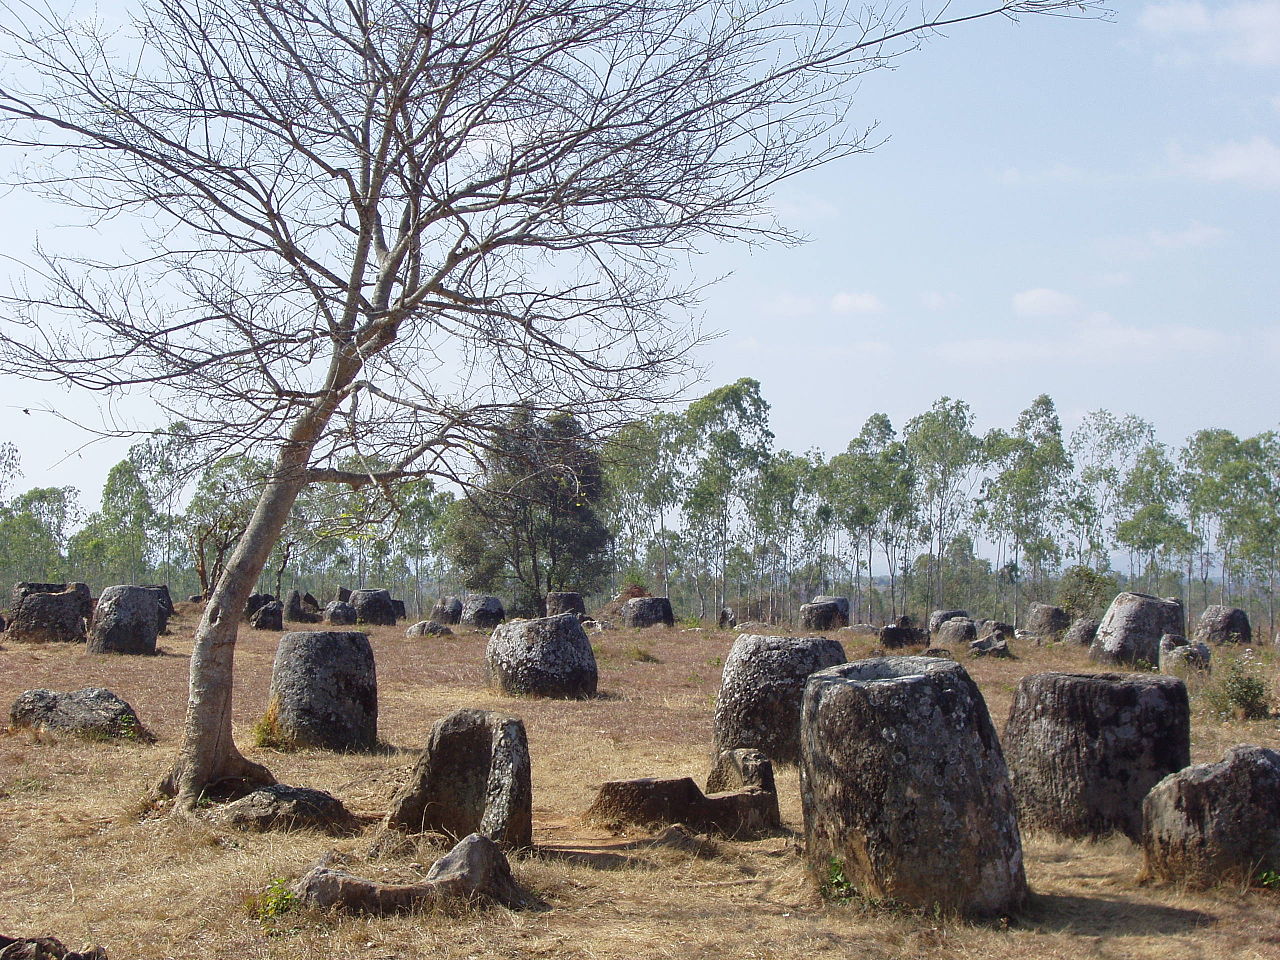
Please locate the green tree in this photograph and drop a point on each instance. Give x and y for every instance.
(1151, 529)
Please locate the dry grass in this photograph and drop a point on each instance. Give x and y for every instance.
(81, 859)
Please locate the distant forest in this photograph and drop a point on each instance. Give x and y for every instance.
(701, 506)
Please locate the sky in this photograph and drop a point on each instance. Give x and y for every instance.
(1080, 208)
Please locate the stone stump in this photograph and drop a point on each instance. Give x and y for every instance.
(653, 802)
(1046, 621)
(1130, 630)
(956, 632)
(642, 612)
(905, 790)
(1178, 657)
(939, 617)
(548, 657)
(901, 633)
(324, 691)
(447, 610)
(761, 687)
(482, 612)
(565, 601)
(296, 610)
(1084, 749)
(340, 614)
(473, 777)
(49, 617)
(1215, 822)
(1219, 624)
(269, 616)
(126, 620)
(1082, 631)
(822, 616)
(374, 607)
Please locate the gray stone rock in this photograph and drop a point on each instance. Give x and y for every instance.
(280, 807)
(939, 617)
(473, 777)
(760, 691)
(901, 633)
(428, 628)
(1131, 629)
(344, 595)
(1082, 631)
(484, 613)
(862, 630)
(340, 614)
(1219, 624)
(49, 617)
(45, 948)
(640, 612)
(653, 802)
(992, 645)
(565, 601)
(753, 626)
(399, 608)
(841, 602)
(25, 588)
(269, 616)
(447, 610)
(324, 691)
(740, 769)
(310, 602)
(822, 616)
(125, 620)
(1084, 749)
(164, 601)
(93, 712)
(296, 611)
(1046, 621)
(904, 787)
(1178, 657)
(374, 607)
(255, 603)
(956, 632)
(547, 657)
(726, 619)
(1215, 822)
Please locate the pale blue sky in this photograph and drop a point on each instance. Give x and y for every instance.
(1079, 208)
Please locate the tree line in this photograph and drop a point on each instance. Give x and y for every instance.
(700, 505)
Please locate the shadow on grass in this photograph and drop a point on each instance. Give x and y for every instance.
(1102, 916)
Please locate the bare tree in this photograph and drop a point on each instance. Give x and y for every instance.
(368, 228)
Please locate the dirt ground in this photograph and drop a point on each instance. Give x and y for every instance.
(84, 858)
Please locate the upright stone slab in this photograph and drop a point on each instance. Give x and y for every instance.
(1215, 822)
(484, 613)
(473, 777)
(324, 691)
(374, 607)
(1084, 749)
(640, 612)
(760, 691)
(49, 617)
(126, 620)
(1046, 621)
(1131, 629)
(256, 602)
(547, 657)
(822, 616)
(904, 787)
(448, 610)
(565, 601)
(1219, 624)
(296, 611)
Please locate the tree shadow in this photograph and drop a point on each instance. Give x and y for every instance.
(1104, 916)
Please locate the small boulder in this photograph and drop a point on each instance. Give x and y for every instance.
(125, 620)
(49, 617)
(547, 657)
(340, 614)
(652, 802)
(1046, 621)
(640, 612)
(822, 616)
(841, 602)
(992, 645)
(726, 619)
(565, 601)
(45, 948)
(374, 607)
(280, 807)
(447, 610)
(740, 769)
(901, 633)
(428, 628)
(956, 632)
(255, 603)
(939, 617)
(269, 616)
(1219, 624)
(310, 602)
(1179, 657)
(93, 712)
(485, 613)
(1082, 631)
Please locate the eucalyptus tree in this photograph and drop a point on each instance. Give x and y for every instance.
(641, 462)
(373, 227)
(1103, 448)
(1151, 497)
(35, 533)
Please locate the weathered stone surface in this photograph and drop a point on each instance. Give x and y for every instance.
(956, 632)
(255, 603)
(650, 802)
(1183, 659)
(340, 614)
(992, 645)
(1131, 629)
(941, 652)
(269, 616)
(164, 600)
(398, 606)
(752, 626)
(1084, 749)
(1215, 822)
(310, 602)
(344, 595)
(482, 612)
(739, 769)
(473, 777)
(1046, 621)
(93, 712)
(280, 807)
(25, 588)
(374, 607)
(901, 633)
(1219, 624)
(822, 616)
(125, 620)
(904, 787)
(547, 657)
(760, 691)
(428, 628)
(475, 869)
(648, 612)
(861, 630)
(49, 617)
(1082, 631)
(296, 611)
(565, 601)
(841, 602)
(938, 617)
(726, 619)
(324, 691)
(448, 610)
(45, 948)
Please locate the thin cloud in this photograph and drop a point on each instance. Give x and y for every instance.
(1245, 32)
(1144, 246)
(1252, 163)
(844, 302)
(1043, 302)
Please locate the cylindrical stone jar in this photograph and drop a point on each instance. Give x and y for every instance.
(905, 789)
(324, 691)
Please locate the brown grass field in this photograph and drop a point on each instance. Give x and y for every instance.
(83, 857)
